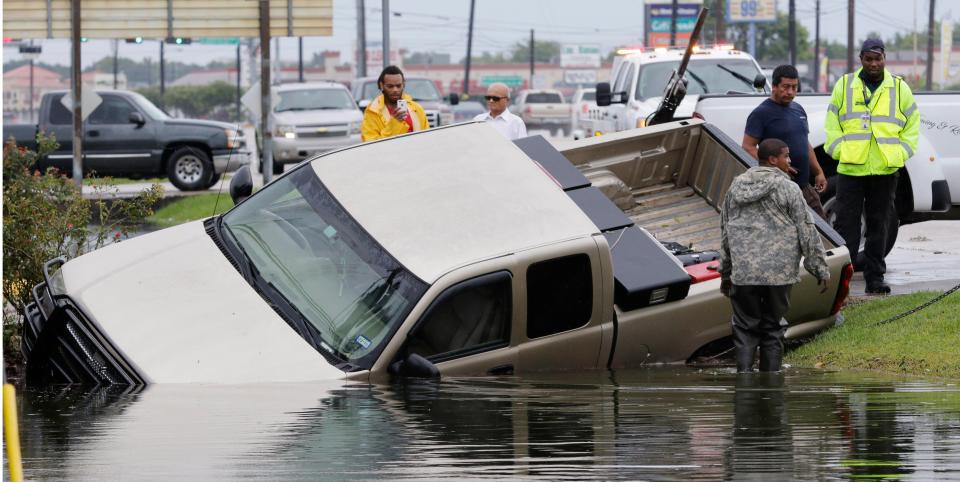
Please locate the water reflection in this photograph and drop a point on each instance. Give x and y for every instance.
(673, 423)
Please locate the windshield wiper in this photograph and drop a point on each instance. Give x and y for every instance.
(703, 85)
(736, 74)
(290, 109)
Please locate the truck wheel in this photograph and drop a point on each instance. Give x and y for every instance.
(893, 228)
(189, 169)
(214, 179)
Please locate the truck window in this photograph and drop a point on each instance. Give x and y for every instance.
(704, 76)
(113, 110)
(59, 115)
(471, 317)
(559, 295)
(544, 98)
(626, 69)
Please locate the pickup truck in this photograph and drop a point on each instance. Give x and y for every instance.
(638, 78)
(543, 109)
(929, 183)
(128, 136)
(447, 252)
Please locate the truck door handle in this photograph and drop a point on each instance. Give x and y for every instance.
(501, 370)
(93, 133)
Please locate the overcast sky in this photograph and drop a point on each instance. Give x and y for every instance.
(441, 26)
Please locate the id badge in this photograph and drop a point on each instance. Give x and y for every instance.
(865, 121)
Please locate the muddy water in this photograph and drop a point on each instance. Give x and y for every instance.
(660, 423)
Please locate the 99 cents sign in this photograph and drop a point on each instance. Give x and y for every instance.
(739, 11)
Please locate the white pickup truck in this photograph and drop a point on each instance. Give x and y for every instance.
(638, 80)
(931, 183)
(451, 251)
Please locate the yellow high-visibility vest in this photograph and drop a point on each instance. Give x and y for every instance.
(855, 119)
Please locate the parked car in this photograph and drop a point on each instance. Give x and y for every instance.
(583, 100)
(310, 119)
(422, 90)
(446, 252)
(543, 109)
(465, 111)
(128, 136)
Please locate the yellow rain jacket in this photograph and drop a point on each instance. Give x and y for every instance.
(379, 124)
(871, 134)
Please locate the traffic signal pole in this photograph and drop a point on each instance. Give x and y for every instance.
(75, 90)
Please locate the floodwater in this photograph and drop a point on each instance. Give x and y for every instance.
(657, 423)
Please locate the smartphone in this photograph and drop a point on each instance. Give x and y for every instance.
(402, 104)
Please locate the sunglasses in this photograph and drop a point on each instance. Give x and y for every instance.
(493, 98)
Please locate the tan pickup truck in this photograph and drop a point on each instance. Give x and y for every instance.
(448, 252)
(543, 109)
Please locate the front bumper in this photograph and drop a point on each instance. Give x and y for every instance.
(62, 345)
(230, 161)
(287, 151)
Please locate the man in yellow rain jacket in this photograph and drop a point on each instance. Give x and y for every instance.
(873, 127)
(386, 116)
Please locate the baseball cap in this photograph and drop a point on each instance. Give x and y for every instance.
(874, 45)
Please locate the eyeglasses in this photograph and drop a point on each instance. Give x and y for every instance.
(493, 98)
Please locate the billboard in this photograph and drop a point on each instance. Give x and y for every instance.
(757, 11)
(659, 16)
(582, 56)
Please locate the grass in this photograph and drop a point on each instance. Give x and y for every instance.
(116, 181)
(923, 343)
(190, 208)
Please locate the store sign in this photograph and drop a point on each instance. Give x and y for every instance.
(580, 76)
(508, 80)
(580, 56)
(659, 18)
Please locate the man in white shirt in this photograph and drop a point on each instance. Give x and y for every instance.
(500, 117)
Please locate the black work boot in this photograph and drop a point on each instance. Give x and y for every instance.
(877, 288)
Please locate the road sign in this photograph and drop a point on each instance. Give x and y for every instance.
(251, 100)
(219, 41)
(509, 80)
(89, 101)
(756, 11)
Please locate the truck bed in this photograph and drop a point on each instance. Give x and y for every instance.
(678, 214)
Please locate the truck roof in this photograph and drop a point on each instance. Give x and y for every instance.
(646, 56)
(452, 196)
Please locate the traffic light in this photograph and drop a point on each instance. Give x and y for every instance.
(135, 40)
(179, 40)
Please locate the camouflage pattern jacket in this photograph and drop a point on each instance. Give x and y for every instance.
(765, 228)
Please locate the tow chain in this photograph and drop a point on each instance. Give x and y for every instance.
(919, 307)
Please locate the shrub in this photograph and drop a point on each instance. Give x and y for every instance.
(46, 216)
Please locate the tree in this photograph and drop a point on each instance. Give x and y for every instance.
(214, 100)
(545, 51)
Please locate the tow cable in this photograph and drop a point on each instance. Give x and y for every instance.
(919, 307)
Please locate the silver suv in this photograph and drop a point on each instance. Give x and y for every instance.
(423, 91)
(311, 118)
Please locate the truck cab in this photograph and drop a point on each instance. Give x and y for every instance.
(639, 76)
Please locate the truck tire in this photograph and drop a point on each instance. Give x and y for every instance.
(214, 179)
(190, 169)
(893, 224)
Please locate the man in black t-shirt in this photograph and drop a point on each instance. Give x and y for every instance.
(779, 117)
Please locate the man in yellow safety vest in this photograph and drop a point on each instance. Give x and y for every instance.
(872, 127)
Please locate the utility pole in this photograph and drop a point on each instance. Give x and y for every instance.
(239, 112)
(75, 87)
(915, 31)
(300, 59)
(266, 155)
(163, 77)
(816, 51)
(466, 74)
(793, 32)
(929, 86)
(673, 24)
(850, 12)
(531, 59)
(32, 116)
(386, 33)
(116, 53)
(361, 39)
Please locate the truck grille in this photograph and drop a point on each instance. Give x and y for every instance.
(322, 130)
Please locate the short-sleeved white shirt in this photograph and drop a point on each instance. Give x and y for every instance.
(507, 124)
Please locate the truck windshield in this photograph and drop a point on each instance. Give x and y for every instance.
(706, 76)
(152, 111)
(332, 282)
(419, 89)
(314, 99)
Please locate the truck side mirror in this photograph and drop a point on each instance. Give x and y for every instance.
(454, 98)
(241, 185)
(603, 94)
(414, 366)
(137, 118)
(760, 82)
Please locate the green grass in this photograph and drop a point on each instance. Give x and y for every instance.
(923, 343)
(116, 181)
(190, 208)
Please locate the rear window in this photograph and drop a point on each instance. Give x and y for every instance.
(544, 98)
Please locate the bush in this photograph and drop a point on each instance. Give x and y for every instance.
(45, 216)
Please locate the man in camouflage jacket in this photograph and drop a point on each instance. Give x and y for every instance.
(765, 227)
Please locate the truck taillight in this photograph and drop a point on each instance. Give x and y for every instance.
(843, 289)
(528, 110)
(697, 115)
